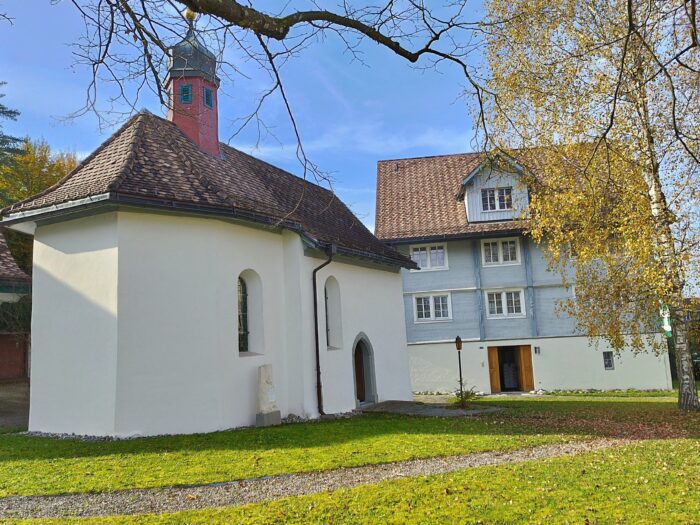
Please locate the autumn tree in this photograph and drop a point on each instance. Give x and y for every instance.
(34, 167)
(599, 101)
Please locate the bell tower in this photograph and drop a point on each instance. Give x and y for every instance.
(192, 85)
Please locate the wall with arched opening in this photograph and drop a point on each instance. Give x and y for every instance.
(334, 314)
(252, 318)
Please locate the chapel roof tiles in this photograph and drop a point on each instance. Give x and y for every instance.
(150, 160)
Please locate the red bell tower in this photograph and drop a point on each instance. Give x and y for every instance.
(192, 85)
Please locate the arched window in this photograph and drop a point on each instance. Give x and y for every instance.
(250, 313)
(334, 322)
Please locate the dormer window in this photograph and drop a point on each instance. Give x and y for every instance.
(497, 199)
(208, 98)
(185, 93)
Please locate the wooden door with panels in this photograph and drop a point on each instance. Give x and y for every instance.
(525, 375)
(494, 370)
(526, 380)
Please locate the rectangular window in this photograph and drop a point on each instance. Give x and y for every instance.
(423, 308)
(513, 303)
(430, 257)
(608, 361)
(442, 311)
(433, 307)
(505, 251)
(497, 199)
(505, 303)
(495, 304)
(208, 98)
(491, 253)
(505, 198)
(185, 93)
(509, 250)
(488, 199)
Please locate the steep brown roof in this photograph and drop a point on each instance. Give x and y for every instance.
(150, 161)
(10, 273)
(417, 198)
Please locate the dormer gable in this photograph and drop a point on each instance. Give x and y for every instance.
(494, 191)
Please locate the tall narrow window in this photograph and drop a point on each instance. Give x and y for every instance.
(334, 321)
(488, 199)
(208, 98)
(608, 361)
(242, 316)
(185, 94)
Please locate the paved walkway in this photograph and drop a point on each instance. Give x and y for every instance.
(14, 405)
(412, 408)
(171, 499)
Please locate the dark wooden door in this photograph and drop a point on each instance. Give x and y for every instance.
(13, 356)
(494, 370)
(359, 373)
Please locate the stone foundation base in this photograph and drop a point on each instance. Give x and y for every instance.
(268, 419)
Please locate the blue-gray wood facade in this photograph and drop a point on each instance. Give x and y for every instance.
(467, 278)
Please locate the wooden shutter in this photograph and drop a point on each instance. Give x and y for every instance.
(494, 371)
(527, 380)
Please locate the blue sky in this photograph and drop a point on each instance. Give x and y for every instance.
(350, 114)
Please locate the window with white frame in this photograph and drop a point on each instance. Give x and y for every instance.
(497, 199)
(430, 257)
(500, 251)
(608, 361)
(505, 303)
(433, 307)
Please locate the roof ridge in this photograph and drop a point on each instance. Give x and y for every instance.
(80, 165)
(420, 157)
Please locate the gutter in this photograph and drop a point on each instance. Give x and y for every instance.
(139, 201)
(331, 250)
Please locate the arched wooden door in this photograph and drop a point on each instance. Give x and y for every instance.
(360, 372)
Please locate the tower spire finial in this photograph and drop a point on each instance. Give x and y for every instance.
(191, 18)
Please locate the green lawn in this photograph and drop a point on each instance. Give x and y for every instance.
(34, 466)
(652, 482)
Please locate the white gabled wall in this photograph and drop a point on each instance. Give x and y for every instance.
(179, 367)
(74, 326)
(135, 328)
(372, 307)
(564, 363)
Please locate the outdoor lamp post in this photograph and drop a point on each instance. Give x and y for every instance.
(458, 345)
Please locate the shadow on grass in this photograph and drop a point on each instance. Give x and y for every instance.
(525, 416)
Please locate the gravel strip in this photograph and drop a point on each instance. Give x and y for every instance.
(171, 499)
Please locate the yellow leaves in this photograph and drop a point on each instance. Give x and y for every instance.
(34, 170)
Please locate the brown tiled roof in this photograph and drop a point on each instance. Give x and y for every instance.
(10, 273)
(150, 161)
(417, 199)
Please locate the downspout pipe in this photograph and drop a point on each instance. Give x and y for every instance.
(331, 250)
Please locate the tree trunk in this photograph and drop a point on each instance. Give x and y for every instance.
(687, 388)
(664, 218)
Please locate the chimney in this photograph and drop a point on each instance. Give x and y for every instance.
(192, 86)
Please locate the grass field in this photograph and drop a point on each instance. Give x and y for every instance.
(656, 479)
(38, 466)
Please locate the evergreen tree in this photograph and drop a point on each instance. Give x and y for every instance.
(9, 145)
